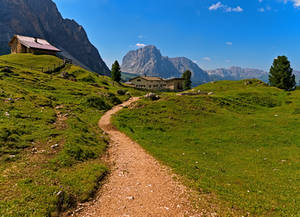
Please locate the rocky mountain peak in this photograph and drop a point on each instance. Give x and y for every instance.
(41, 18)
(148, 60)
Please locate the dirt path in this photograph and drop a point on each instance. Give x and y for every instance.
(138, 185)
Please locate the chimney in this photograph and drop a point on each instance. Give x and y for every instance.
(36, 40)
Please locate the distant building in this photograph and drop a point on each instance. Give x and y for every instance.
(157, 83)
(24, 44)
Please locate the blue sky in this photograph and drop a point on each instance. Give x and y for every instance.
(213, 33)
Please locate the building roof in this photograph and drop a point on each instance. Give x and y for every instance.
(155, 78)
(36, 43)
(148, 78)
(175, 79)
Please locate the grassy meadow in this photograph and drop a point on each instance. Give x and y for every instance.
(50, 143)
(240, 145)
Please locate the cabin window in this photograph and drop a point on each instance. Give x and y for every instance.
(139, 80)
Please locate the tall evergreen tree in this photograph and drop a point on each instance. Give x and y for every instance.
(187, 79)
(116, 72)
(281, 74)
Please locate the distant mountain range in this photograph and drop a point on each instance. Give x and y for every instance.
(149, 61)
(237, 73)
(41, 18)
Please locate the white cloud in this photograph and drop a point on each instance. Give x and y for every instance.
(229, 43)
(226, 8)
(236, 9)
(140, 45)
(295, 2)
(268, 8)
(216, 6)
(206, 58)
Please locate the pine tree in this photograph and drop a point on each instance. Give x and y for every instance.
(116, 72)
(281, 74)
(187, 79)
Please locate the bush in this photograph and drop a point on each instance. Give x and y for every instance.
(88, 79)
(121, 92)
(98, 103)
(80, 153)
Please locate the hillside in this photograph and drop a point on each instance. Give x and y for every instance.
(148, 60)
(42, 19)
(238, 147)
(50, 142)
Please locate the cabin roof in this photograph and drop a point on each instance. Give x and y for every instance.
(36, 43)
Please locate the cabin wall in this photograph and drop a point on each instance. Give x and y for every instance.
(14, 47)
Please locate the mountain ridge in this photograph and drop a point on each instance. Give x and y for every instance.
(237, 73)
(42, 19)
(149, 60)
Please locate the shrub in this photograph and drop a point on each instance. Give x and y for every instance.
(121, 92)
(88, 79)
(98, 103)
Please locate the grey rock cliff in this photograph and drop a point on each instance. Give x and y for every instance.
(148, 60)
(183, 63)
(41, 18)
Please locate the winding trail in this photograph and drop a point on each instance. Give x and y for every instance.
(138, 186)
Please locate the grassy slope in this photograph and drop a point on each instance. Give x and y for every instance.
(241, 144)
(37, 111)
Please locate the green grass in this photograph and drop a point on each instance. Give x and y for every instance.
(28, 60)
(241, 144)
(39, 110)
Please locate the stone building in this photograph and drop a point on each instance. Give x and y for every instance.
(24, 44)
(157, 83)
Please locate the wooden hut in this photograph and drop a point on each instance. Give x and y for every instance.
(24, 44)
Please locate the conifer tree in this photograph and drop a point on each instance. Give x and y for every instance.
(281, 74)
(116, 72)
(187, 79)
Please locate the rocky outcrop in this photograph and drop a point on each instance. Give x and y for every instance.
(41, 18)
(149, 61)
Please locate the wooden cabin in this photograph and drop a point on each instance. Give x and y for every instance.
(25, 44)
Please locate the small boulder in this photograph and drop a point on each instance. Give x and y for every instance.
(54, 146)
(247, 82)
(152, 96)
(34, 150)
(12, 156)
